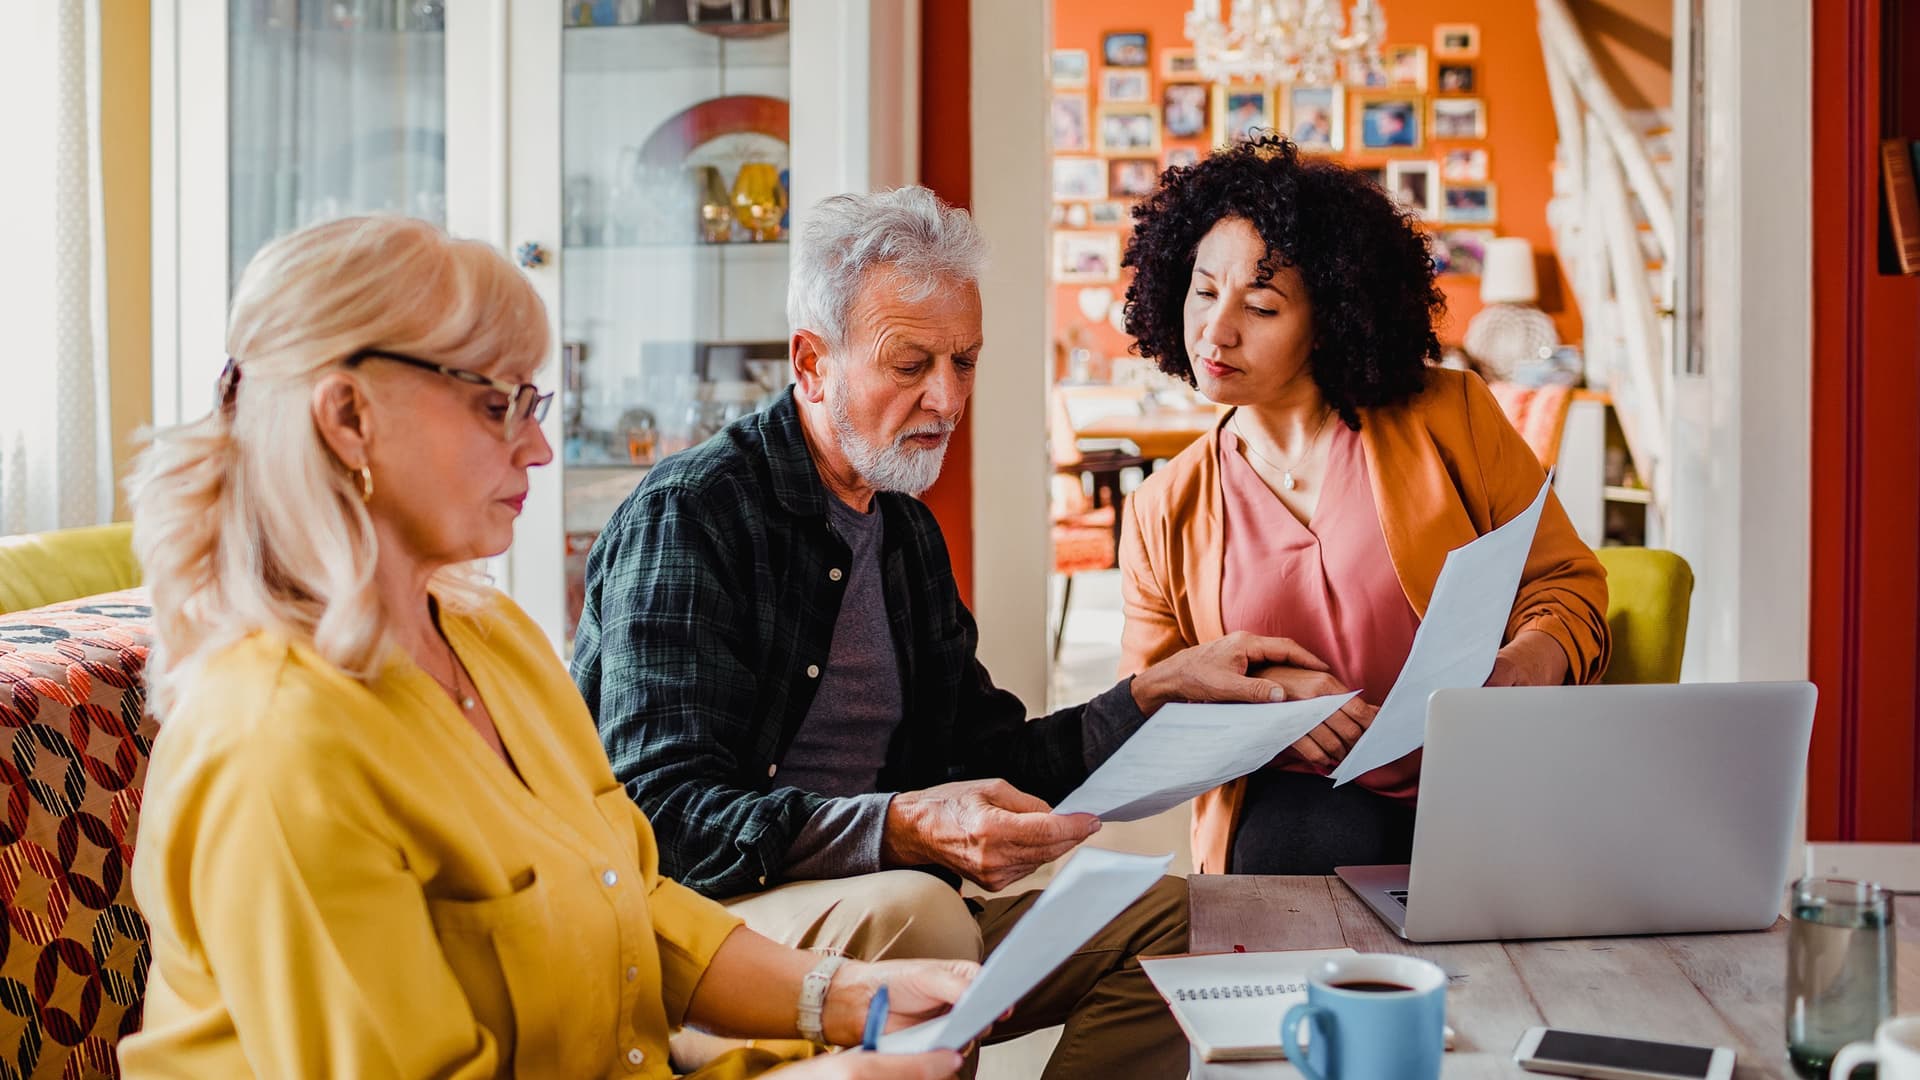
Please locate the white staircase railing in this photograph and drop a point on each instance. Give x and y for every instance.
(1605, 188)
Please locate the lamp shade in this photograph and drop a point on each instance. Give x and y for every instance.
(1506, 273)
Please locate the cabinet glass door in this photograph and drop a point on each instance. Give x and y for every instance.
(674, 226)
(334, 107)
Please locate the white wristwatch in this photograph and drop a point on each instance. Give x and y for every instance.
(813, 997)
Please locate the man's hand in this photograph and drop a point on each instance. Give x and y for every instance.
(1217, 671)
(1327, 745)
(987, 831)
(1532, 658)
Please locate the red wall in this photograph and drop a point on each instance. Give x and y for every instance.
(1865, 606)
(946, 166)
(1512, 78)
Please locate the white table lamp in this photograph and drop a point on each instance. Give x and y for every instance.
(1509, 330)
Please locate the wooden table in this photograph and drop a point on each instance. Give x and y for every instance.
(1161, 433)
(1708, 989)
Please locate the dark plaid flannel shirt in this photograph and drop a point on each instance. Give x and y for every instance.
(709, 612)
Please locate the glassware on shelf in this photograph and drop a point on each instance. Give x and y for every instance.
(584, 214)
(716, 205)
(642, 434)
(630, 209)
(758, 200)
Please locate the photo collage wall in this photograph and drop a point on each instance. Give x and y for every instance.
(1417, 126)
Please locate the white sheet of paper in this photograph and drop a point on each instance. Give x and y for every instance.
(1089, 891)
(1457, 640)
(1187, 749)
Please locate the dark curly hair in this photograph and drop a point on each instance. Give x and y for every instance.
(1365, 264)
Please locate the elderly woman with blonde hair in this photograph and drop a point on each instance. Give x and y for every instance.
(380, 837)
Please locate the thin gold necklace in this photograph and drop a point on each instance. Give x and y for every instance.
(466, 700)
(1287, 482)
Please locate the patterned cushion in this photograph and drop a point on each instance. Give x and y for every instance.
(74, 737)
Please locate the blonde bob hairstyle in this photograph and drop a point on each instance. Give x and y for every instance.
(244, 520)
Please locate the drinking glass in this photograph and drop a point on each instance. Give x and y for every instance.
(1840, 968)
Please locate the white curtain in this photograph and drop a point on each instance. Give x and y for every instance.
(56, 461)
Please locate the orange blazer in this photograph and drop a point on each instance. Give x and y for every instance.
(1446, 467)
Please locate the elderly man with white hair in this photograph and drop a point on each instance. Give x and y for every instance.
(783, 673)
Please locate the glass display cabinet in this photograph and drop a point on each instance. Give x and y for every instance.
(643, 160)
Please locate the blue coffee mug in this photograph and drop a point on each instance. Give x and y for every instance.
(1371, 1015)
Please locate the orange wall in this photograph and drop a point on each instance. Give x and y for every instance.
(946, 166)
(1511, 77)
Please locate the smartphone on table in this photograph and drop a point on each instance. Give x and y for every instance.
(1610, 1057)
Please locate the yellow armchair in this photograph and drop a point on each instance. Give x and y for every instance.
(1649, 592)
(37, 569)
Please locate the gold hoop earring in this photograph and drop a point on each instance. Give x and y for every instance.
(366, 483)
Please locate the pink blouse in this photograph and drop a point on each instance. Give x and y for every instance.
(1328, 585)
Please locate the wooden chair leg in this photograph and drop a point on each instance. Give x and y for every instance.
(1060, 631)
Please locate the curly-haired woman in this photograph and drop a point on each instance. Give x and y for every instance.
(1323, 504)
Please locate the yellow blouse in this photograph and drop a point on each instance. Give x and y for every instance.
(343, 880)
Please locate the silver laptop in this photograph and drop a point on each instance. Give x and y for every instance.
(1593, 810)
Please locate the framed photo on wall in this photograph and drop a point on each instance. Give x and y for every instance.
(1463, 165)
(1315, 118)
(1078, 179)
(1459, 118)
(1069, 69)
(1416, 186)
(1456, 41)
(1125, 84)
(1129, 129)
(1178, 64)
(1183, 108)
(1460, 251)
(1241, 111)
(1071, 134)
(1406, 65)
(1469, 204)
(1457, 79)
(1126, 49)
(1086, 257)
(1388, 121)
(1132, 178)
(1108, 214)
(1180, 157)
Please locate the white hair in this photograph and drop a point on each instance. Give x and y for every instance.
(244, 520)
(907, 230)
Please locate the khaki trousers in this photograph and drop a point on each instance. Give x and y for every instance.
(1116, 1024)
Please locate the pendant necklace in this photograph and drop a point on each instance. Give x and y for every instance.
(1287, 482)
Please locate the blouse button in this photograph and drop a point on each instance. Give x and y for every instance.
(834, 574)
(635, 1057)
(813, 671)
(771, 769)
(633, 973)
(609, 879)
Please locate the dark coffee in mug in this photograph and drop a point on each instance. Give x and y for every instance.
(1371, 987)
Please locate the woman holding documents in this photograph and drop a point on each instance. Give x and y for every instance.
(1323, 505)
(379, 838)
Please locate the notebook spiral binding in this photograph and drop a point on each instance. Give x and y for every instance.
(1244, 990)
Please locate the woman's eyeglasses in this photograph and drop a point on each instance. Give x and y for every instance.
(525, 401)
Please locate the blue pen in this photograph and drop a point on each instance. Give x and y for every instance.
(876, 1019)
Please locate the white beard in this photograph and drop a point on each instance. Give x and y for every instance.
(899, 467)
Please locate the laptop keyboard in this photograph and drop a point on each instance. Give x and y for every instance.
(1399, 896)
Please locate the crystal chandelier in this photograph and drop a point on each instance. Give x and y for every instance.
(1291, 41)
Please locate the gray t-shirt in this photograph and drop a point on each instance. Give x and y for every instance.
(842, 744)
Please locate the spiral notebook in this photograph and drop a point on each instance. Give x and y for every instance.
(1230, 1004)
